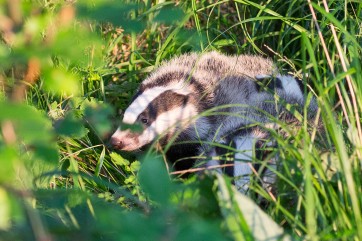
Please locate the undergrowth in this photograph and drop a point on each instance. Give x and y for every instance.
(68, 69)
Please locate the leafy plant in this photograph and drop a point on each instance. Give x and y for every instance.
(66, 66)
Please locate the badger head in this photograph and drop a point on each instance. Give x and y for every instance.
(159, 110)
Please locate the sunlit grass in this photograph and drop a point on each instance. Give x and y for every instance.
(319, 172)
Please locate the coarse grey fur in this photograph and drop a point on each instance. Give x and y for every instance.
(247, 89)
(216, 79)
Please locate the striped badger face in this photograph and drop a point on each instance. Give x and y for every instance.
(159, 110)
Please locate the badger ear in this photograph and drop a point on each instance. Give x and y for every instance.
(267, 82)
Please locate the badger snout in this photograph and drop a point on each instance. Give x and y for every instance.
(125, 140)
(124, 143)
(116, 143)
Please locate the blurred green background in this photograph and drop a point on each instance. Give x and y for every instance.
(67, 69)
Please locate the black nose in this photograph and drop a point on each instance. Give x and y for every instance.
(116, 143)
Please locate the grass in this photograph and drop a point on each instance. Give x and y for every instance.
(61, 89)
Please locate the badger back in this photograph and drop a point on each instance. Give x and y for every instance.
(254, 109)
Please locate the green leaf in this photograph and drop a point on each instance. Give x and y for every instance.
(76, 198)
(9, 162)
(199, 229)
(224, 42)
(4, 52)
(130, 180)
(70, 126)
(47, 152)
(135, 166)
(98, 117)
(169, 14)
(86, 46)
(119, 160)
(17, 112)
(34, 130)
(137, 128)
(100, 162)
(237, 208)
(61, 81)
(5, 208)
(39, 174)
(113, 12)
(154, 179)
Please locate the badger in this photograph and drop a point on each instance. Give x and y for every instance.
(205, 104)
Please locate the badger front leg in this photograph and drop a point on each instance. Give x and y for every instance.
(252, 159)
(243, 156)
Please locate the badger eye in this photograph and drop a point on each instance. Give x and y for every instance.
(144, 121)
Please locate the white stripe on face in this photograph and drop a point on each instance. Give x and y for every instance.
(142, 101)
(166, 122)
(291, 86)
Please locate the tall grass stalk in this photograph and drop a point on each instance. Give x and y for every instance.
(352, 117)
(320, 161)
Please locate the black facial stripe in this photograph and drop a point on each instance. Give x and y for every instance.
(300, 84)
(199, 88)
(268, 82)
(166, 101)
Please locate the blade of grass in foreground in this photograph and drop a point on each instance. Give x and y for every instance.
(245, 219)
